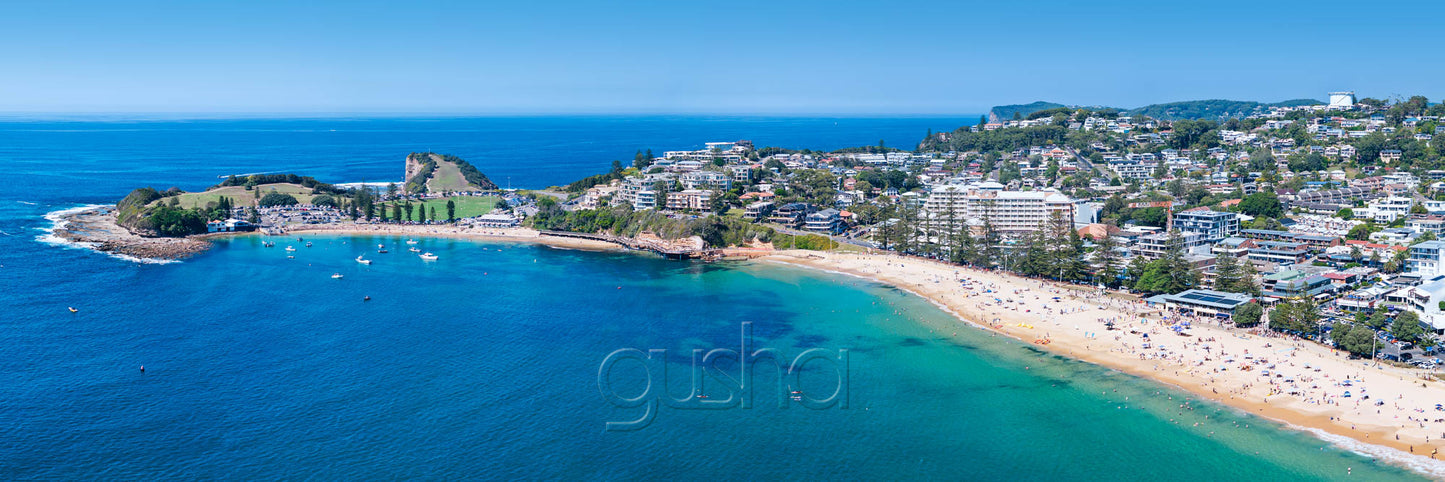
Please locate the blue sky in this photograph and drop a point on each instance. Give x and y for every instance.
(769, 57)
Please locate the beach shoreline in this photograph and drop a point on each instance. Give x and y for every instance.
(1073, 326)
(95, 228)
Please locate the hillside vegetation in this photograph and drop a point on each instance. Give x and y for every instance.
(432, 172)
(1212, 109)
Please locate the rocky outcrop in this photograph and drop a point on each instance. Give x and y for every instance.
(98, 230)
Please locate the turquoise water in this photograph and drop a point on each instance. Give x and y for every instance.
(486, 363)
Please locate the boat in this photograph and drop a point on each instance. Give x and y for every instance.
(73, 310)
(411, 241)
(381, 246)
(428, 256)
(413, 249)
(308, 244)
(336, 276)
(289, 248)
(382, 251)
(290, 257)
(361, 260)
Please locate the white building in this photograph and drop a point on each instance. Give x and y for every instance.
(1009, 212)
(1425, 301)
(1387, 210)
(1342, 100)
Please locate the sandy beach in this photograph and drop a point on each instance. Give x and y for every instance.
(1293, 381)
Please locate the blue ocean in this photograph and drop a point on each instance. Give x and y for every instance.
(504, 360)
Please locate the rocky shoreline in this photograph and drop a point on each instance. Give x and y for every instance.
(97, 229)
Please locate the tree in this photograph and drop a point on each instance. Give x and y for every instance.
(1345, 213)
(1356, 339)
(864, 187)
(324, 200)
(1407, 327)
(1107, 261)
(1262, 203)
(1231, 276)
(1248, 314)
(278, 199)
(1361, 232)
(451, 211)
(1299, 315)
(434, 213)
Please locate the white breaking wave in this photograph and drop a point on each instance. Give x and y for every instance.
(1432, 468)
(58, 221)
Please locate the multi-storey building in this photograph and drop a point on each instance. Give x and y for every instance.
(1155, 246)
(1213, 225)
(956, 207)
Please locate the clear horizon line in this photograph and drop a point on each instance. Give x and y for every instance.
(454, 114)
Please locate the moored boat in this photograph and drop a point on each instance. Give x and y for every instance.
(428, 256)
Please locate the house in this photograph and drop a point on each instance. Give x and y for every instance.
(825, 221)
(791, 214)
(758, 210)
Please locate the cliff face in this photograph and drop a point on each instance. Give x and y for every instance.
(414, 162)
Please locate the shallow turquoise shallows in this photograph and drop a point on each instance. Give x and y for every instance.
(485, 363)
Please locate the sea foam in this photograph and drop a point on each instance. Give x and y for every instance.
(58, 221)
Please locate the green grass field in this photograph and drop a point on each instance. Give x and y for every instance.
(240, 196)
(447, 178)
(467, 206)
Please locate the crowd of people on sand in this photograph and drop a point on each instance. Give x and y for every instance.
(1256, 366)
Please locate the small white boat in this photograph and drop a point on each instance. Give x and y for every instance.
(411, 241)
(289, 248)
(308, 244)
(428, 256)
(381, 246)
(362, 260)
(336, 276)
(413, 249)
